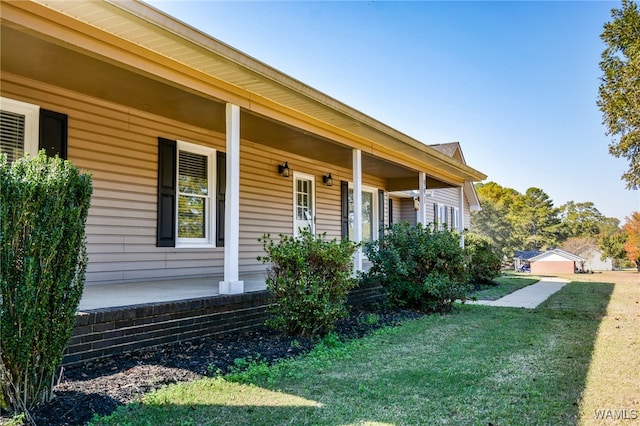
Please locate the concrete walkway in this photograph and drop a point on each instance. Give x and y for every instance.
(528, 297)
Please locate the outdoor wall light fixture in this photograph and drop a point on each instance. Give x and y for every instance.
(283, 169)
(327, 180)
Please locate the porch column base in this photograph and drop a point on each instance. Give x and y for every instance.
(231, 287)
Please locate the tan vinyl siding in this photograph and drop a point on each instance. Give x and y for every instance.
(266, 198)
(407, 211)
(467, 215)
(403, 208)
(118, 145)
(397, 212)
(444, 196)
(449, 197)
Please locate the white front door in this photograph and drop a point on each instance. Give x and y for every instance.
(303, 202)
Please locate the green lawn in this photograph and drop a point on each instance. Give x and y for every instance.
(479, 365)
(612, 389)
(506, 284)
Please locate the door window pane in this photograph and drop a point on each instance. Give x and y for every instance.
(367, 215)
(304, 204)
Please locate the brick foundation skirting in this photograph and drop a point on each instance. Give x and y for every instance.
(101, 333)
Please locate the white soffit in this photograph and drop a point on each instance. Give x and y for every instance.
(156, 31)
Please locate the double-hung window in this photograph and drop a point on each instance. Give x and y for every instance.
(195, 188)
(187, 196)
(26, 128)
(440, 215)
(456, 218)
(18, 128)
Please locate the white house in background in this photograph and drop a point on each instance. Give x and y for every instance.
(593, 260)
(445, 205)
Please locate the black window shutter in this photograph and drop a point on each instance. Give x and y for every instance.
(390, 211)
(166, 232)
(221, 190)
(381, 209)
(435, 212)
(344, 198)
(53, 133)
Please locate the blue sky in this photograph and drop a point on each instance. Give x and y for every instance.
(514, 82)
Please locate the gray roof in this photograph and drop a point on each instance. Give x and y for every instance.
(526, 254)
(447, 148)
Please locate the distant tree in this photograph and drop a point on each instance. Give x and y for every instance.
(619, 91)
(608, 226)
(632, 245)
(578, 245)
(496, 193)
(536, 220)
(514, 221)
(613, 246)
(492, 221)
(580, 219)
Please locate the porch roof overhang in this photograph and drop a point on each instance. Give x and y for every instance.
(135, 55)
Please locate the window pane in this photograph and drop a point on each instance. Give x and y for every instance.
(367, 216)
(192, 173)
(352, 233)
(12, 134)
(191, 217)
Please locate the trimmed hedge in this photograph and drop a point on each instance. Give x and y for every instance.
(44, 204)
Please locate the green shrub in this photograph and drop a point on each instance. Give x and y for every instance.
(419, 267)
(43, 209)
(310, 279)
(482, 259)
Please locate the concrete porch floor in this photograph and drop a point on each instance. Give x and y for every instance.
(100, 296)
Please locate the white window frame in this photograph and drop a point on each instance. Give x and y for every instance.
(210, 206)
(374, 207)
(442, 214)
(312, 178)
(456, 219)
(31, 115)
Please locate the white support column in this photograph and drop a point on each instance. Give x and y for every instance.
(422, 194)
(357, 206)
(231, 283)
(461, 218)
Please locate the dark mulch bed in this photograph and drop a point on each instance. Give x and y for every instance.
(99, 387)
